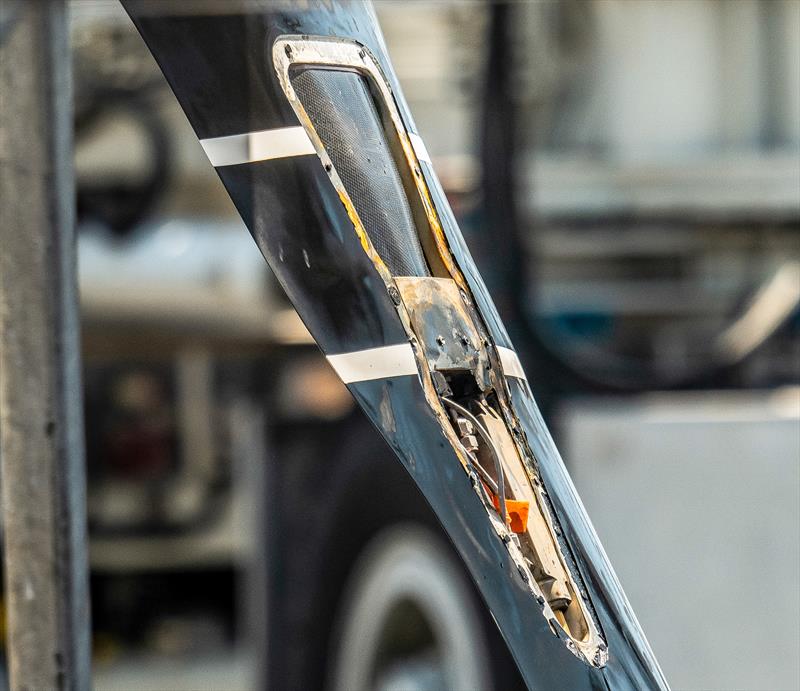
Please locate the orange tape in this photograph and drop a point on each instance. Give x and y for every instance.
(517, 512)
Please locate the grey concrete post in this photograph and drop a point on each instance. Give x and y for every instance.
(41, 412)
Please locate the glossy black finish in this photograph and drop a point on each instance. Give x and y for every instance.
(302, 229)
(220, 67)
(399, 408)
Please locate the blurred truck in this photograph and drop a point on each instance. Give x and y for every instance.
(245, 518)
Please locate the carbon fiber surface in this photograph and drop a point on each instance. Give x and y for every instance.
(347, 121)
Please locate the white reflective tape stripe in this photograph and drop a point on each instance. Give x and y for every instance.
(419, 147)
(375, 363)
(512, 367)
(398, 361)
(258, 146)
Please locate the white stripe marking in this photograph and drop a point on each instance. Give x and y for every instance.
(510, 363)
(398, 361)
(258, 146)
(375, 363)
(419, 147)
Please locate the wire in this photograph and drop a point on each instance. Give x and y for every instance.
(501, 489)
(475, 463)
(481, 470)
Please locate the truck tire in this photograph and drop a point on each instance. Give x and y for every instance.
(337, 520)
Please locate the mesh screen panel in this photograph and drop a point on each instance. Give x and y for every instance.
(347, 121)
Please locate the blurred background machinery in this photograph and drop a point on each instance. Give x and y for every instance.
(628, 178)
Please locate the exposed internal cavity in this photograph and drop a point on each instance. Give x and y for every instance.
(454, 350)
(341, 97)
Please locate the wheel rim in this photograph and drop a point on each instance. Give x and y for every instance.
(409, 619)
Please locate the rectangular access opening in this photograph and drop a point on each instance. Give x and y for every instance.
(365, 150)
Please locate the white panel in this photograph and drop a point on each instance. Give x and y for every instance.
(696, 498)
(658, 76)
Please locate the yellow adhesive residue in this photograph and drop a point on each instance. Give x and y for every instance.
(430, 211)
(363, 238)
